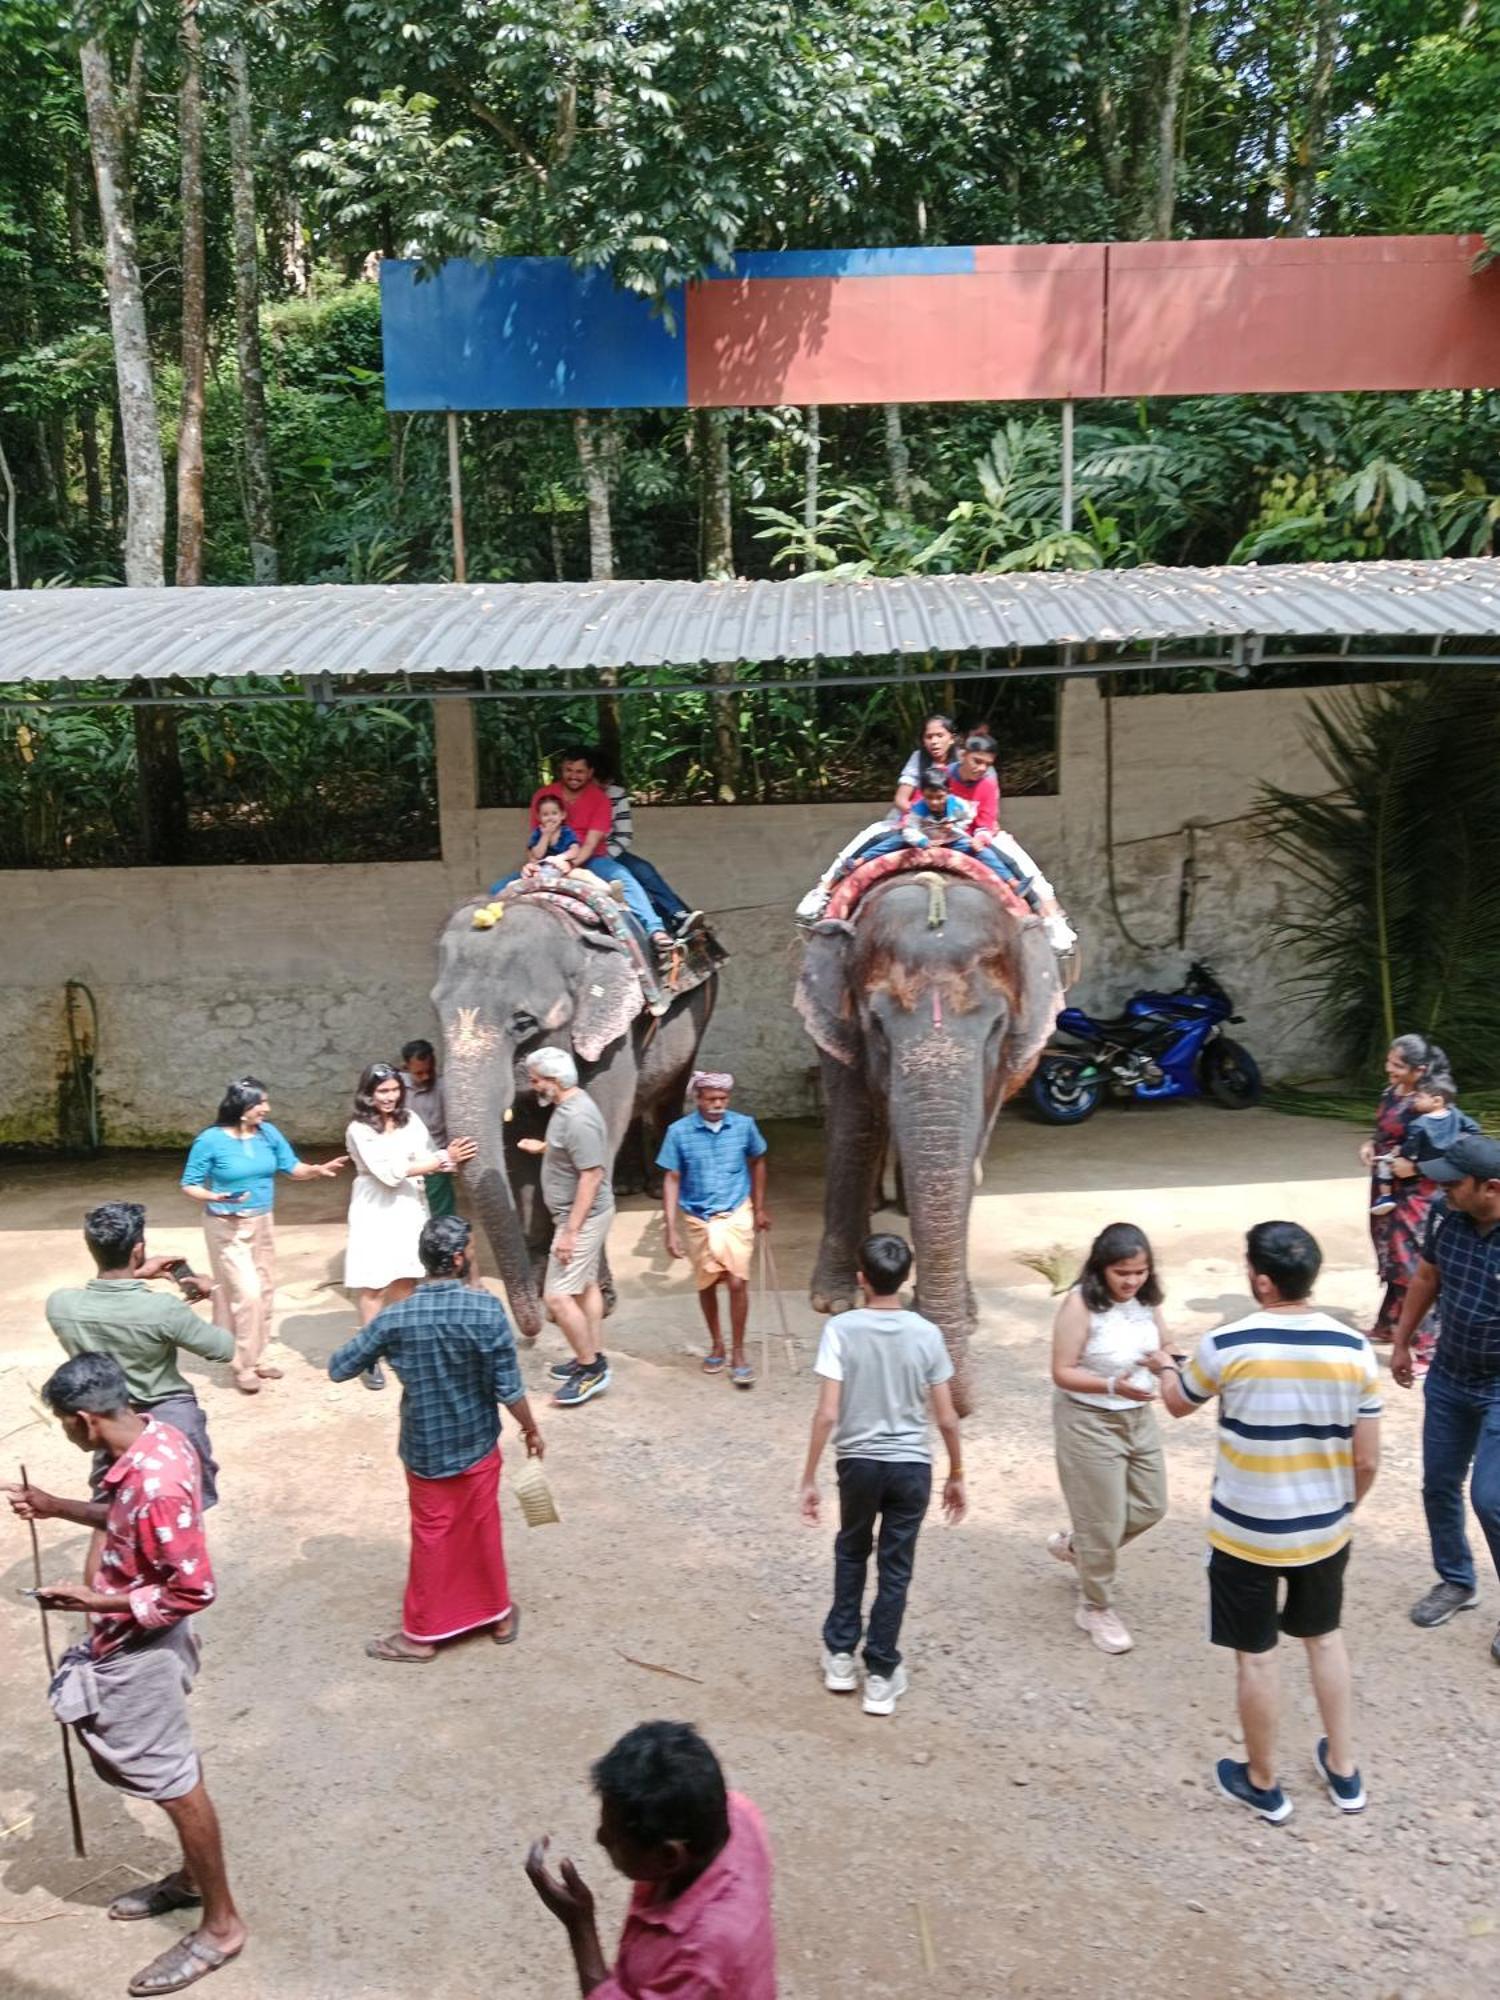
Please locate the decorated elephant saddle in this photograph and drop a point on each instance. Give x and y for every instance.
(591, 907)
(852, 890)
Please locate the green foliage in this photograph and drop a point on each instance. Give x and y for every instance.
(1400, 864)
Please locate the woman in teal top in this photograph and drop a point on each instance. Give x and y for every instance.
(232, 1170)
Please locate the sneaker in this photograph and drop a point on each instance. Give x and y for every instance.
(373, 1376)
(1348, 1794)
(561, 1370)
(1061, 1546)
(1385, 1206)
(1442, 1602)
(840, 1674)
(883, 1691)
(688, 922)
(1233, 1780)
(1103, 1627)
(581, 1385)
(1060, 934)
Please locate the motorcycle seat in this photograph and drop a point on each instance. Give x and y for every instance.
(1128, 1027)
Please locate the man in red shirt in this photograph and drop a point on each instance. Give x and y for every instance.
(591, 815)
(699, 1925)
(124, 1689)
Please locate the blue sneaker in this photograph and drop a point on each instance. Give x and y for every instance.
(1233, 1780)
(1348, 1794)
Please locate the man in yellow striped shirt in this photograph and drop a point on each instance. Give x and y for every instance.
(1299, 1444)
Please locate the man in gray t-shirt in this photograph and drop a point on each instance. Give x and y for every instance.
(424, 1095)
(881, 1368)
(577, 1195)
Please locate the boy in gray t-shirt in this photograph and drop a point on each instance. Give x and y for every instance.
(881, 1367)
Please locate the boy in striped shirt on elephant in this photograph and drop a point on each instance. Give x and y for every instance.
(1299, 1445)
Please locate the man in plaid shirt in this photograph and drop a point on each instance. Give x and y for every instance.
(451, 1347)
(1459, 1272)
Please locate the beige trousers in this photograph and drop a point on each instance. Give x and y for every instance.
(1114, 1479)
(242, 1258)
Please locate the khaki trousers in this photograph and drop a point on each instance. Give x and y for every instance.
(242, 1258)
(1114, 1479)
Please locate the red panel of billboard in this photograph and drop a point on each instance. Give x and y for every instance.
(1026, 324)
(1290, 314)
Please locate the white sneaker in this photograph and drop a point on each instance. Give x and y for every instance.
(1061, 1546)
(840, 1674)
(1060, 933)
(1103, 1627)
(881, 1695)
(813, 904)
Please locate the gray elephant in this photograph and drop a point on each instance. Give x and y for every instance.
(537, 980)
(929, 1010)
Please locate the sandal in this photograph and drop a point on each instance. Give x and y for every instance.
(387, 1649)
(508, 1629)
(248, 1384)
(743, 1377)
(183, 1964)
(269, 1374)
(154, 1899)
(713, 1364)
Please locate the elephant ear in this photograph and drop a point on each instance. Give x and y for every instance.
(1039, 1000)
(609, 997)
(822, 998)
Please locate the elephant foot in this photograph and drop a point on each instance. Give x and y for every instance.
(834, 1298)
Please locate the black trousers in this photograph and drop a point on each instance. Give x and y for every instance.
(894, 1492)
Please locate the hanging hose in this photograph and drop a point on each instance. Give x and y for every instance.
(83, 1049)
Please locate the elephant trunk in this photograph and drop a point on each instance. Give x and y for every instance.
(478, 1092)
(938, 1130)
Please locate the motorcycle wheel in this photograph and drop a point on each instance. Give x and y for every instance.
(1059, 1093)
(1230, 1074)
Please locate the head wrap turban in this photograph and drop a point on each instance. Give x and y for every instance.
(710, 1079)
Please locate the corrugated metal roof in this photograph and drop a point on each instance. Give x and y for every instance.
(346, 630)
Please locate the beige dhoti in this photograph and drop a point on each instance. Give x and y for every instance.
(720, 1246)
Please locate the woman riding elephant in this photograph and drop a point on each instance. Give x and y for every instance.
(928, 1015)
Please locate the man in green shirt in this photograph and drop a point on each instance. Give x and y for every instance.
(117, 1313)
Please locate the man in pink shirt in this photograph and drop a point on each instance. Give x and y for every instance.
(591, 816)
(699, 1925)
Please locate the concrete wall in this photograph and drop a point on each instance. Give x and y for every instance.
(301, 974)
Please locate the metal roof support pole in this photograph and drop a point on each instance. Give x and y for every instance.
(456, 502)
(1067, 468)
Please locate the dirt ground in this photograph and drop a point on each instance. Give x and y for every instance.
(1036, 1819)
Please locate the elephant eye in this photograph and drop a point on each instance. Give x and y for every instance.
(523, 1024)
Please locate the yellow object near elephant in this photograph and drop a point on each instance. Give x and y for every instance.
(487, 918)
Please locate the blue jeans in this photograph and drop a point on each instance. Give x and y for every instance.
(1460, 1428)
(609, 870)
(668, 905)
(896, 1492)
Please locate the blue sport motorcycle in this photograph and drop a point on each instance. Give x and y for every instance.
(1163, 1045)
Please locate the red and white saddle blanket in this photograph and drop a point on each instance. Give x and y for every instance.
(852, 890)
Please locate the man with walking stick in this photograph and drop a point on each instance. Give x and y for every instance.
(124, 1689)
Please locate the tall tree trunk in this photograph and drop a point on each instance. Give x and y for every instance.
(1314, 118)
(595, 446)
(145, 483)
(13, 563)
(810, 467)
(194, 304)
(897, 457)
(1164, 204)
(88, 417)
(260, 519)
(712, 428)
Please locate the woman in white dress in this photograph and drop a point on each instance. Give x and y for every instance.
(392, 1152)
(1109, 1457)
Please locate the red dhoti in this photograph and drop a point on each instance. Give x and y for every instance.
(455, 1580)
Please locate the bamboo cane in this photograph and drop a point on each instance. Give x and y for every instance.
(74, 1810)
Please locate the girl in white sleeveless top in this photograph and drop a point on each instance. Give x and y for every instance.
(1109, 1456)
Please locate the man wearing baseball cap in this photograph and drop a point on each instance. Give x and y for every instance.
(1460, 1273)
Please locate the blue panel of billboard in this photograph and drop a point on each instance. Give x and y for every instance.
(525, 333)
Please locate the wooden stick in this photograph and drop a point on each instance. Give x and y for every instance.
(74, 1810)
